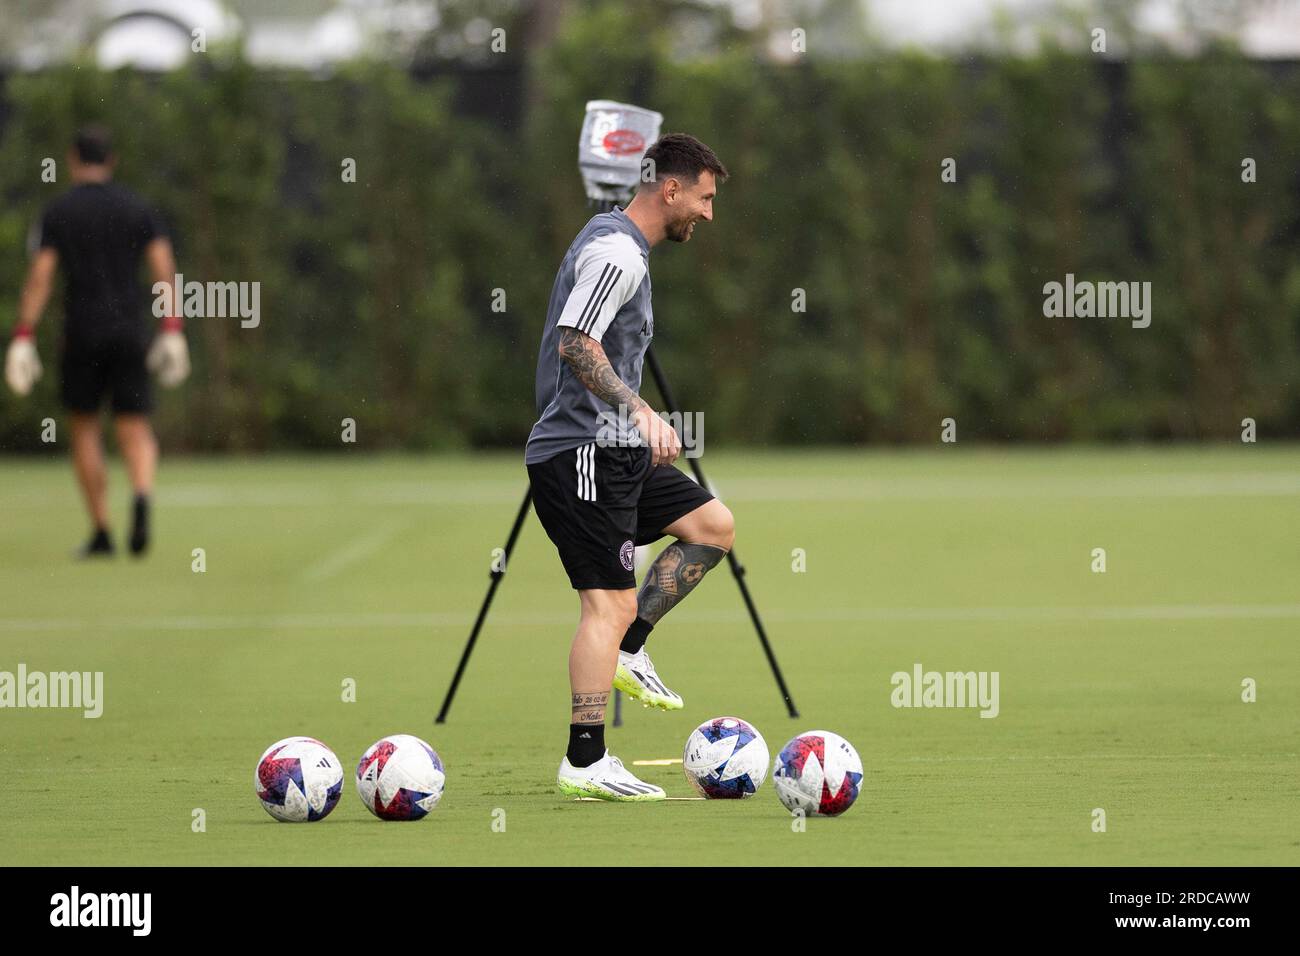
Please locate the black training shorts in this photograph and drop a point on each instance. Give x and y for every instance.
(113, 365)
(597, 503)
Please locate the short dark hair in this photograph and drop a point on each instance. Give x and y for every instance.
(93, 144)
(683, 156)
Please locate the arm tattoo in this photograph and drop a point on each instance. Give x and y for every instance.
(587, 359)
(589, 708)
(674, 574)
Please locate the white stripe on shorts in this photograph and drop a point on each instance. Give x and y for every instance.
(585, 461)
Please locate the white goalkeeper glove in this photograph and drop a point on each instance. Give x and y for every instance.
(169, 356)
(22, 364)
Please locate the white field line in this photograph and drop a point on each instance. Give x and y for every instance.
(362, 620)
(660, 800)
(838, 488)
(1072, 757)
(352, 553)
(445, 492)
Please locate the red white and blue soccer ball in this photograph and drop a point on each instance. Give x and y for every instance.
(818, 773)
(400, 778)
(298, 780)
(725, 758)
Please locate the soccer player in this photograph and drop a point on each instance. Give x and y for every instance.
(98, 232)
(600, 459)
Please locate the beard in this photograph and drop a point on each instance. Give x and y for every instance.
(680, 231)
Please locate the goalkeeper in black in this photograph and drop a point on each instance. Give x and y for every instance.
(98, 233)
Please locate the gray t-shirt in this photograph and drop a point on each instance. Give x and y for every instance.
(602, 289)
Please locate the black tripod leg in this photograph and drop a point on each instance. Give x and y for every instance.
(737, 569)
(496, 575)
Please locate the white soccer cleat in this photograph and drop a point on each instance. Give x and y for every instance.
(636, 677)
(606, 779)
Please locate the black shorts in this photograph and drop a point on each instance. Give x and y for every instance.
(112, 365)
(598, 503)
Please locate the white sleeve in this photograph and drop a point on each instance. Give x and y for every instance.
(609, 269)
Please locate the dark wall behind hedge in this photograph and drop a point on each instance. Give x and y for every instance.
(924, 299)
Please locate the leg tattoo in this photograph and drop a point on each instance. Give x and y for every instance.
(587, 729)
(589, 708)
(674, 574)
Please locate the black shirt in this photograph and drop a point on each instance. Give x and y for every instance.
(100, 231)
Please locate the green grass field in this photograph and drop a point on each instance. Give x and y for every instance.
(1119, 690)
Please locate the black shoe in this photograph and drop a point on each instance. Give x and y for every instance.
(100, 545)
(140, 526)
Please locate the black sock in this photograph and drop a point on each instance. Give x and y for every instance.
(635, 637)
(586, 744)
(100, 543)
(140, 524)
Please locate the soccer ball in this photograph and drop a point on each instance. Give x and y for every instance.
(725, 758)
(818, 773)
(298, 780)
(400, 778)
